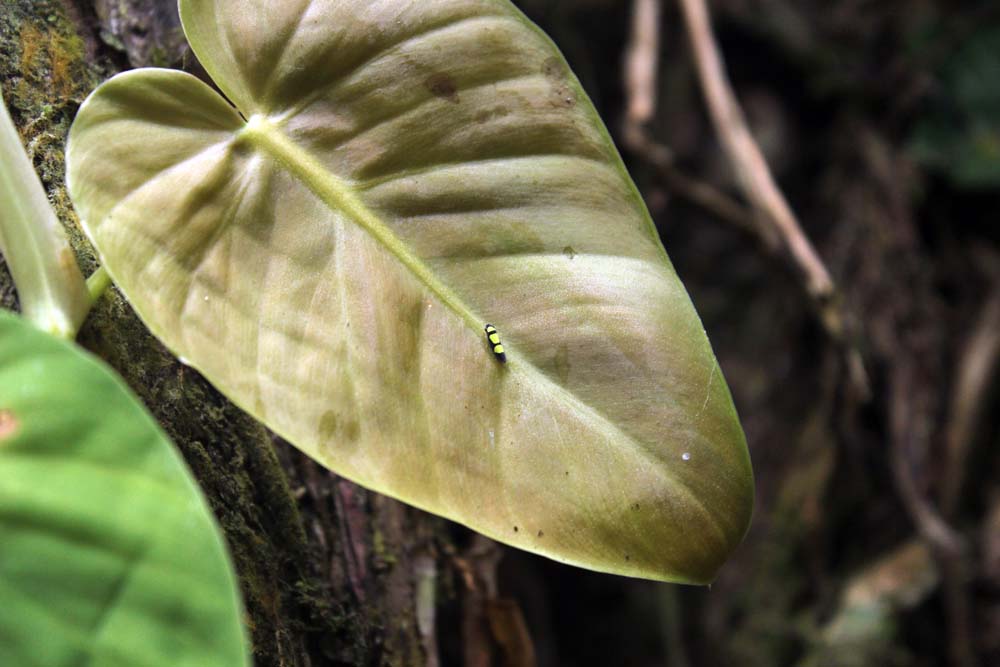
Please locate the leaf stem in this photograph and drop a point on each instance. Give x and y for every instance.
(97, 284)
(49, 284)
(339, 195)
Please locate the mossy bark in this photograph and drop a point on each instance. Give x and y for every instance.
(329, 571)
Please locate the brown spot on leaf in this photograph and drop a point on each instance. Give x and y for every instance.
(492, 113)
(562, 96)
(333, 428)
(328, 425)
(9, 424)
(443, 86)
(67, 260)
(561, 93)
(352, 430)
(554, 68)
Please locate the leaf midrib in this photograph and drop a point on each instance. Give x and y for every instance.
(267, 137)
(336, 193)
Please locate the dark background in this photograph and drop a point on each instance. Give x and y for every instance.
(881, 123)
(876, 534)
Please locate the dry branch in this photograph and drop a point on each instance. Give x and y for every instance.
(976, 370)
(760, 189)
(641, 68)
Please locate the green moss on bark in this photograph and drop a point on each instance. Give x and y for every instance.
(305, 604)
(46, 74)
(47, 69)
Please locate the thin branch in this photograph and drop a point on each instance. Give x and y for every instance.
(913, 400)
(904, 435)
(759, 187)
(947, 545)
(641, 68)
(751, 168)
(642, 61)
(713, 200)
(976, 371)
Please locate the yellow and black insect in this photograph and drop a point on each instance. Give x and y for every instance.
(494, 339)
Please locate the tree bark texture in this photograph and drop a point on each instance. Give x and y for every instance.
(331, 573)
(876, 535)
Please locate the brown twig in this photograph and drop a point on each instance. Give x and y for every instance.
(751, 168)
(947, 545)
(641, 66)
(642, 61)
(914, 399)
(488, 619)
(976, 371)
(760, 189)
(697, 192)
(931, 525)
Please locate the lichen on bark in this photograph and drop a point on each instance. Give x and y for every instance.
(302, 608)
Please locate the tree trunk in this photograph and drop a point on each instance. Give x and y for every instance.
(331, 573)
(844, 562)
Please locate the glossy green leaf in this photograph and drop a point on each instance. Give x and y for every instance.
(394, 175)
(109, 555)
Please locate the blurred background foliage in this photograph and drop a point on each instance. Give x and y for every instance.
(881, 123)
(876, 535)
(960, 133)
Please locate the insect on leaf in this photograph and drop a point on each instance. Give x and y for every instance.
(327, 241)
(110, 555)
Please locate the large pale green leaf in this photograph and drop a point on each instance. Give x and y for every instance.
(108, 553)
(394, 175)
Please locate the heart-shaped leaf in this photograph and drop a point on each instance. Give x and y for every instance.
(394, 175)
(108, 553)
